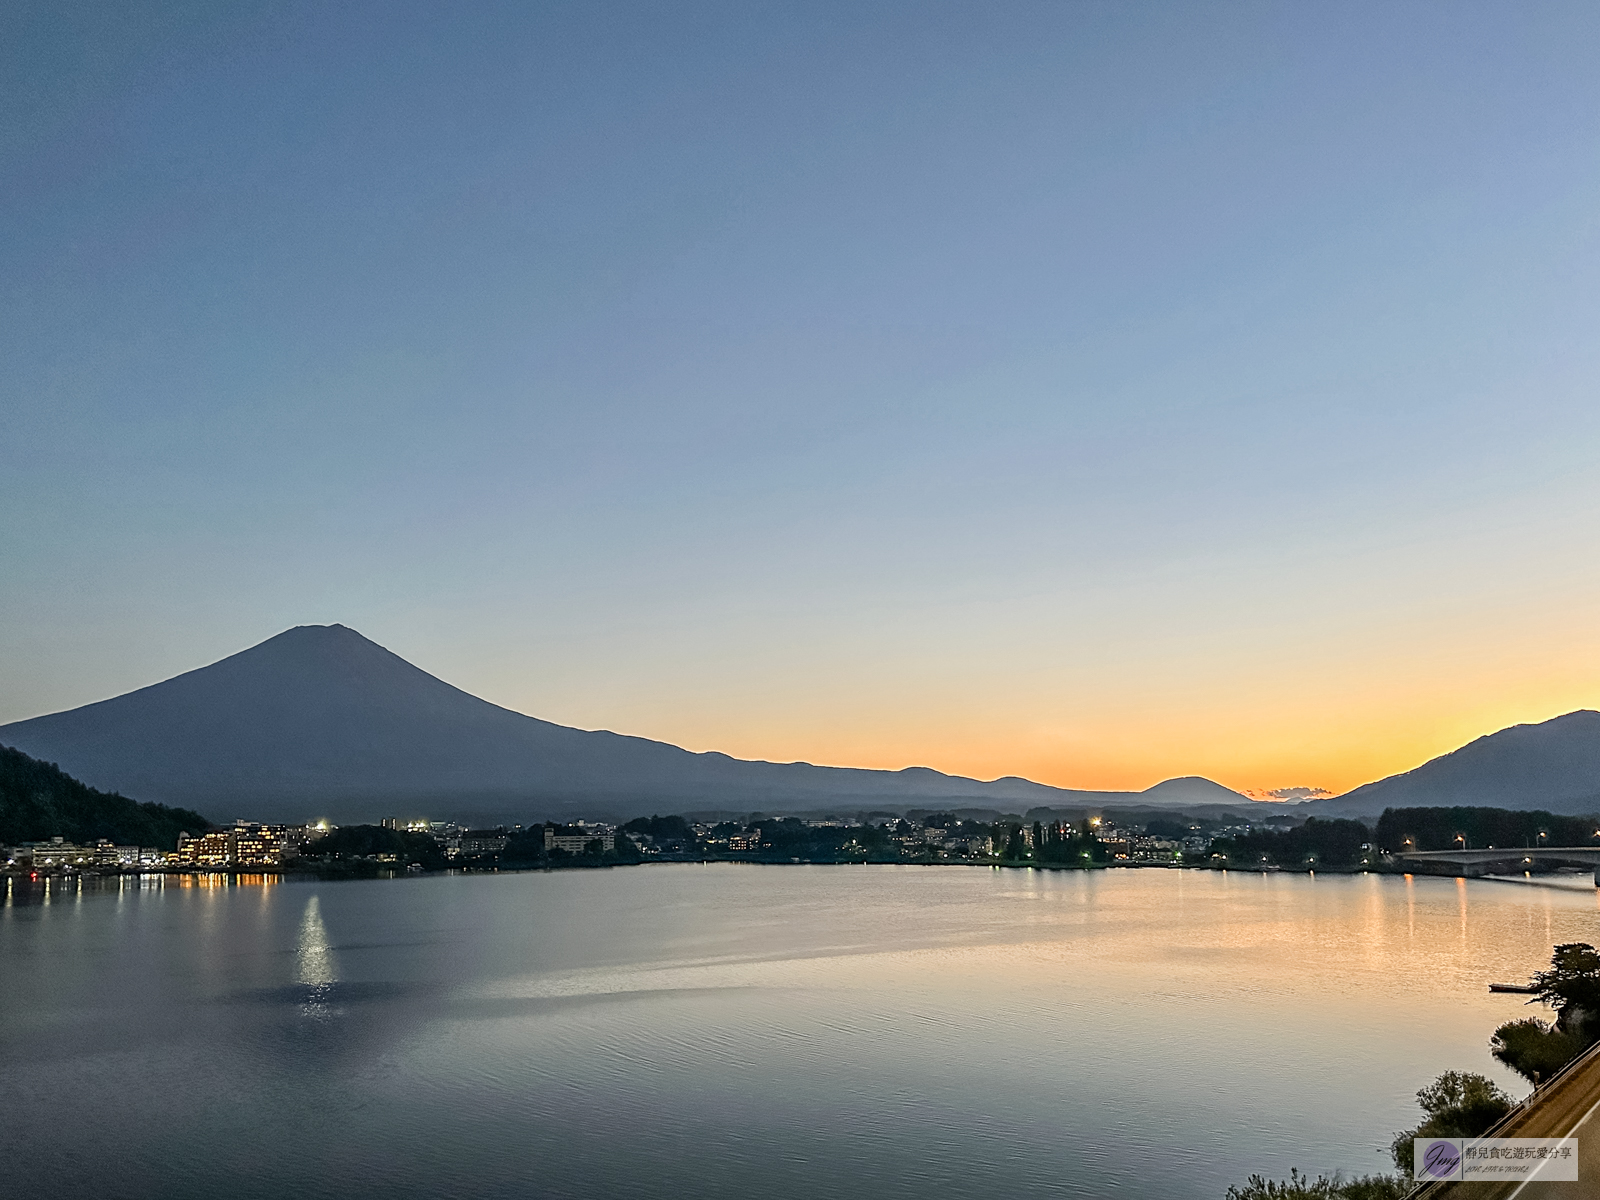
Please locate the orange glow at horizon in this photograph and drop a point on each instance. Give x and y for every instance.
(1351, 753)
(1342, 679)
(1258, 730)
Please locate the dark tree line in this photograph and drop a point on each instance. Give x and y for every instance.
(1438, 828)
(369, 841)
(1335, 843)
(39, 801)
(1058, 843)
(774, 839)
(525, 848)
(783, 838)
(673, 834)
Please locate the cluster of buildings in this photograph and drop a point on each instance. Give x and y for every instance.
(579, 838)
(255, 844)
(1135, 845)
(944, 837)
(913, 838)
(457, 842)
(244, 844)
(56, 854)
(974, 839)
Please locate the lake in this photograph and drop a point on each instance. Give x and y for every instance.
(733, 1030)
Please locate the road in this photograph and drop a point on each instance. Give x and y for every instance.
(1567, 1106)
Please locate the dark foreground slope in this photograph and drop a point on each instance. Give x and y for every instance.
(39, 801)
(321, 721)
(1553, 765)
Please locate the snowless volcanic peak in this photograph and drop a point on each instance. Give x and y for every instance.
(321, 721)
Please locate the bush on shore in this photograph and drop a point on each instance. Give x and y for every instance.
(1536, 1049)
(1458, 1105)
(1303, 1187)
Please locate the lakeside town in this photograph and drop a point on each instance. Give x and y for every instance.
(419, 844)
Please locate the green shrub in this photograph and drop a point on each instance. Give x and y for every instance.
(1376, 1187)
(1296, 1187)
(1536, 1050)
(1303, 1187)
(1458, 1105)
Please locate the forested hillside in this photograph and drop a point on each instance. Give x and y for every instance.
(38, 800)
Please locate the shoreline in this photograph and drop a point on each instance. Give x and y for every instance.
(385, 871)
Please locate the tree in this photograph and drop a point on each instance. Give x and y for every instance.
(1536, 1049)
(1060, 842)
(1016, 846)
(524, 848)
(662, 829)
(1572, 985)
(1458, 1105)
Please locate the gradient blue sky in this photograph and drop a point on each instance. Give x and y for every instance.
(1096, 392)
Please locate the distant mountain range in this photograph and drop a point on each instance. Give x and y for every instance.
(319, 721)
(1554, 765)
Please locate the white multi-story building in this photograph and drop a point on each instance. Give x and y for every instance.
(481, 841)
(575, 839)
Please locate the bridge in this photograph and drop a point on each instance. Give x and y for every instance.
(1509, 858)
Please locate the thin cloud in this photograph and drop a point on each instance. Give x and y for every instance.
(1291, 795)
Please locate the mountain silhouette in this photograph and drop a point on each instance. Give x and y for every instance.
(1189, 790)
(1553, 765)
(319, 721)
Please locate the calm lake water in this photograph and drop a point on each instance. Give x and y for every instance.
(736, 1031)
